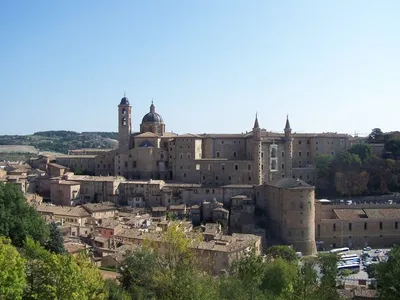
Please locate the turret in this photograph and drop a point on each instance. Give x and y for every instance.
(257, 154)
(288, 147)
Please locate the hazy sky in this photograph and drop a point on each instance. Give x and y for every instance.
(209, 65)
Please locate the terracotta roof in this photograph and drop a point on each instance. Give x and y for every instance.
(159, 208)
(97, 207)
(188, 135)
(73, 211)
(290, 183)
(382, 213)
(57, 166)
(348, 214)
(147, 135)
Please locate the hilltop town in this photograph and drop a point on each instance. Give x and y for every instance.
(243, 192)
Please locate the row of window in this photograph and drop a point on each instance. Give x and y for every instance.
(365, 226)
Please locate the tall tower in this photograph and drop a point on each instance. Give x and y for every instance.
(288, 149)
(257, 156)
(124, 124)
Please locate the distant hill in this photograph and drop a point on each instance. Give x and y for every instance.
(57, 141)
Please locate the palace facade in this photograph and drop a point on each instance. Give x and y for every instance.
(254, 157)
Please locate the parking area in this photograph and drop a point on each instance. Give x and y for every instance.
(372, 256)
(368, 256)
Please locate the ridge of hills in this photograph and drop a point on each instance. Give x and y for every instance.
(22, 147)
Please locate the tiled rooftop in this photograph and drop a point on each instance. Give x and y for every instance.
(382, 213)
(348, 214)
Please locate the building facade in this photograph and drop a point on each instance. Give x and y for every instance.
(253, 157)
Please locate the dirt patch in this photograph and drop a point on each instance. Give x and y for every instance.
(17, 149)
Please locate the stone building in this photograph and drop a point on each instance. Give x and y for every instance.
(249, 158)
(290, 204)
(357, 226)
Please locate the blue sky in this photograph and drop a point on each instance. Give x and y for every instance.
(209, 65)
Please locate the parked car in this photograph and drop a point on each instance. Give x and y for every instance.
(367, 249)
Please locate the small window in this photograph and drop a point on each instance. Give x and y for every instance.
(283, 166)
(350, 227)
(249, 167)
(216, 177)
(299, 142)
(197, 167)
(234, 154)
(217, 154)
(283, 154)
(365, 226)
(299, 153)
(236, 167)
(334, 227)
(223, 167)
(250, 180)
(380, 225)
(308, 142)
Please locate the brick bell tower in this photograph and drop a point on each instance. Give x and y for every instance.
(124, 124)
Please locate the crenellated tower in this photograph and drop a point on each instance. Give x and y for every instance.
(257, 154)
(124, 124)
(288, 148)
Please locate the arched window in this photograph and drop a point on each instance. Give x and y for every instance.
(123, 121)
(123, 111)
(273, 152)
(273, 165)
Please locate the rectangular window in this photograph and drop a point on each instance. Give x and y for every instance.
(380, 225)
(334, 227)
(197, 167)
(217, 154)
(299, 142)
(350, 226)
(234, 154)
(249, 167)
(308, 153)
(299, 153)
(223, 167)
(308, 142)
(395, 225)
(365, 226)
(209, 167)
(283, 166)
(283, 154)
(236, 167)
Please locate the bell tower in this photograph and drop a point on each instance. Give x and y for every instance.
(124, 124)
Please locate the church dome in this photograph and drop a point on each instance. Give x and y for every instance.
(124, 101)
(152, 116)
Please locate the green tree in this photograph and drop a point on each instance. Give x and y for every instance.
(279, 277)
(351, 182)
(18, 220)
(388, 276)
(305, 285)
(346, 161)
(323, 165)
(363, 151)
(59, 276)
(90, 278)
(12, 271)
(393, 146)
(284, 252)
(56, 241)
(137, 271)
(376, 136)
(115, 291)
(328, 264)
(250, 272)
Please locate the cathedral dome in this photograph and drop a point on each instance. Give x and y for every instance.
(124, 101)
(152, 116)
